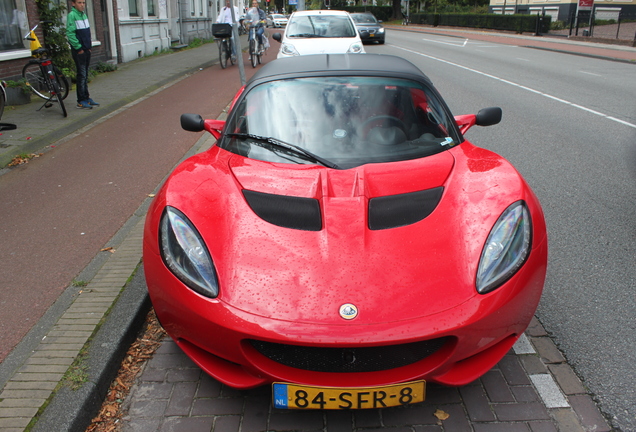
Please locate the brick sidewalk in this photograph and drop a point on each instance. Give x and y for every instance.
(531, 389)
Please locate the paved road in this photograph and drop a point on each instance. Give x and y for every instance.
(70, 169)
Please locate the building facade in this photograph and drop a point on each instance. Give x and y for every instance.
(121, 30)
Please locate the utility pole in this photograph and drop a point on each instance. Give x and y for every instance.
(239, 53)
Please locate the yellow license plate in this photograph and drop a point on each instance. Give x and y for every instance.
(371, 34)
(292, 396)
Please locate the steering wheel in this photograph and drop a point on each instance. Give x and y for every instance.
(384, 118)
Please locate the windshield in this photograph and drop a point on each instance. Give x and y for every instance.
(344, 121)
(364, 19)
(332, 26)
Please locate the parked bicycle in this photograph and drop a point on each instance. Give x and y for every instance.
(3, 97)
(223, 33)
(45, 79)
(256, 47)
(3, 103)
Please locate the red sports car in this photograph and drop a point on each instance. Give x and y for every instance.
(342, 241)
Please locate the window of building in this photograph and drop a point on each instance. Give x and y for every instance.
(151, 8)
(133, 10)
(13, 25)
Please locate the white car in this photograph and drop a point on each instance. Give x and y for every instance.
(319, 32)
(276, 20)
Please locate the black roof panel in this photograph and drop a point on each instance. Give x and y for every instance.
(338, 64)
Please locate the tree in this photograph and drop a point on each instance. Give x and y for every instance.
(397, 9)
(54, 31)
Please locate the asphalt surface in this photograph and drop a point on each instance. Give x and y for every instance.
(42, 332)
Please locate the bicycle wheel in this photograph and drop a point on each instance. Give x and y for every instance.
(260, 53)
(57, 89)
(3, 101)
(223, 53)
(36, 80)
(253, 55)
(62, 81)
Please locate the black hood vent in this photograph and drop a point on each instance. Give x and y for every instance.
(304, 213)
(404, 209)
(286, 211)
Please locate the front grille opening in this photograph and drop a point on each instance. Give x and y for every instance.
(348, 359)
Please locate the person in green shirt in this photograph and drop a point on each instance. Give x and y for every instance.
(78, 33)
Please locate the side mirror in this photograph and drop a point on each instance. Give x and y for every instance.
(195, 123)
(485, 117)
(192, 122)
(277, 37)
(488, 116)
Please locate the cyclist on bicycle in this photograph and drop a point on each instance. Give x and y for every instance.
(256, 16)
(226, 17)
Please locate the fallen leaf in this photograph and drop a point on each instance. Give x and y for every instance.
(151, 195)
(109, 249)
(109, 417)
(441, 415)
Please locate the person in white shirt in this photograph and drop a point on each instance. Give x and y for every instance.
(225, 16)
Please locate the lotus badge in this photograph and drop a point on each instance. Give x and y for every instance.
(348, 311)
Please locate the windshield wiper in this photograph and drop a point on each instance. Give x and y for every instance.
(298, 151)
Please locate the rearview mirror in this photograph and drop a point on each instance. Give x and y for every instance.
(277, 37)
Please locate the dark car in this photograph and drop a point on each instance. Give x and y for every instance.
(369, 27)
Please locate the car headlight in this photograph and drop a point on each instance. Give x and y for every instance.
(506, 249)
(355, 48)
(381, 30)
(185, 254)
(289, 50)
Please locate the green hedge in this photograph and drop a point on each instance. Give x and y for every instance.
(517, 23)
(520, 23)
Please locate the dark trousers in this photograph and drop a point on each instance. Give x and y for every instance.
(82, 61)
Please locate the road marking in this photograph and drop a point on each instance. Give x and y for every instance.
(446, 43)
(590, 73)
(523, 346)
(600, 114)
(549, 391)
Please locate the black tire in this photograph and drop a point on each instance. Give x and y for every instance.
(34, 78)
(232, 58)
(253, 55)
(57, 88)
(62, 81)
(223, 54)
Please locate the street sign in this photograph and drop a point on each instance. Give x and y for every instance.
(585, 5)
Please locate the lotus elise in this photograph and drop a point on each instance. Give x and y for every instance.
(342, 242)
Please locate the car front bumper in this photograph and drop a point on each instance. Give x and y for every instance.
(243, 350)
